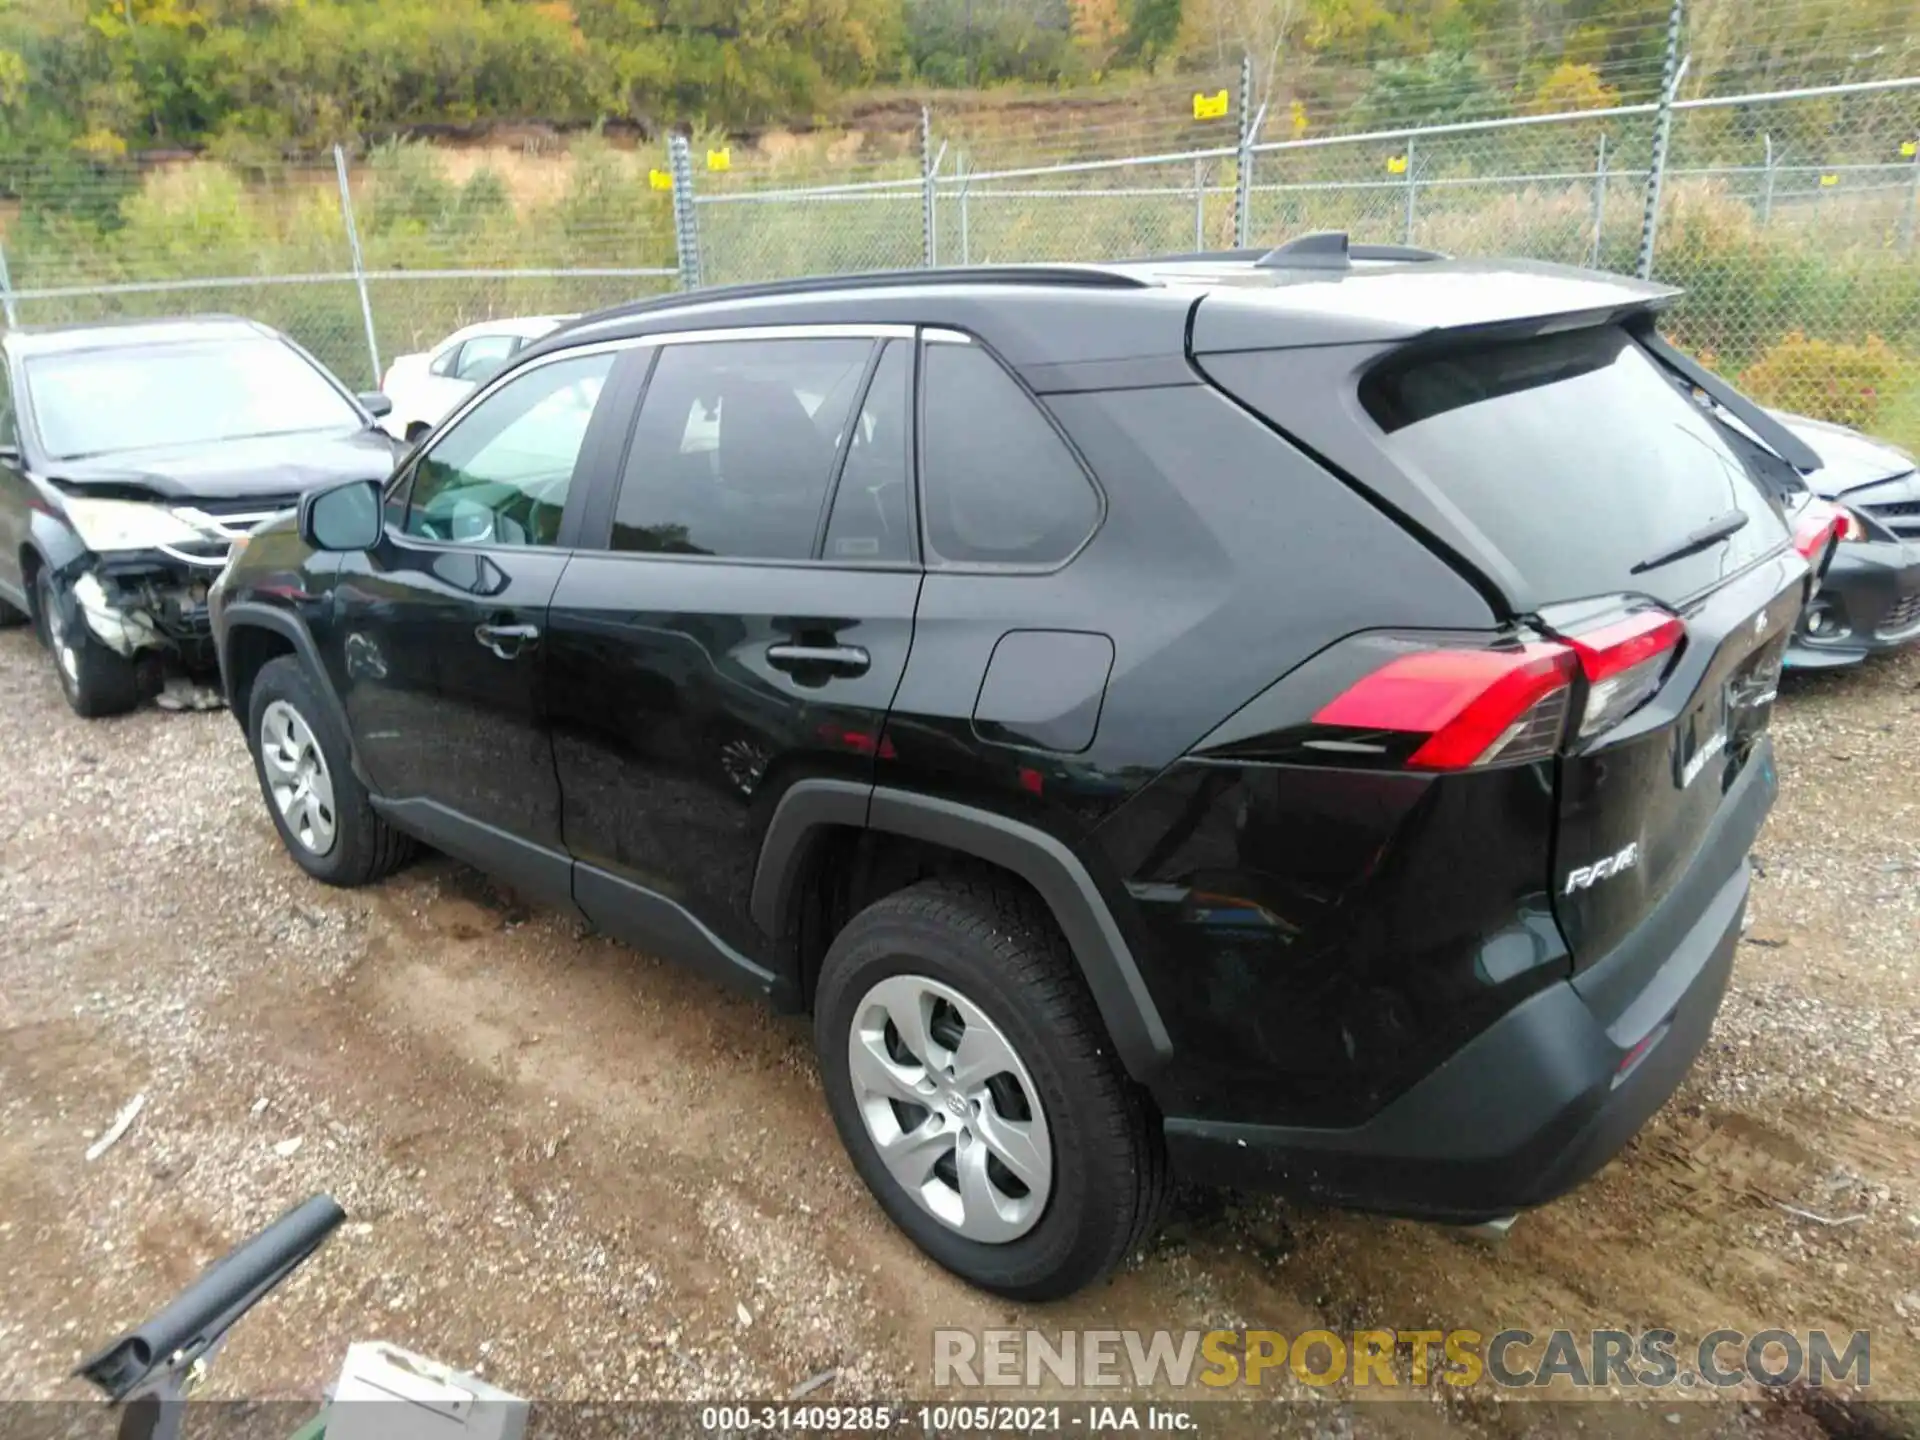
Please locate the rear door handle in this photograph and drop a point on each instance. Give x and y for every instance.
(840, 659)
(506, 641)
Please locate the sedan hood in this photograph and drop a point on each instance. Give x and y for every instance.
(270, 467)
(1852, 459)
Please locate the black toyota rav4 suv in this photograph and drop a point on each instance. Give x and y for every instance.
(1291, 721)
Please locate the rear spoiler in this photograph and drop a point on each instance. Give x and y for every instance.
(1771, 433)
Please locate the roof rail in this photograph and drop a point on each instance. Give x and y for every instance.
(1087, 275)
(1187, 257)
(1331, 250)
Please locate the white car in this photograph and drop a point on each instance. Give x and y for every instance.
(426, 386)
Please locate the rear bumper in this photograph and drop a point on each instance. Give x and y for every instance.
(1541, 1099)
(1869, 601)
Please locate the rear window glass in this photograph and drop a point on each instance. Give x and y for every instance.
(1001, 486)
(1579, 459)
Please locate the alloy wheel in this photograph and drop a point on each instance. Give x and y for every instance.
(59, 638)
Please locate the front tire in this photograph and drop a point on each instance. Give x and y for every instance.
(96, 681)
(318, 804)
(975, 1090)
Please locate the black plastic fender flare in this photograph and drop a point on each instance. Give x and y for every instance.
(245, 614)
(1106, 961)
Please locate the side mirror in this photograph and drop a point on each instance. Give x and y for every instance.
(375, 404)
(343, 517)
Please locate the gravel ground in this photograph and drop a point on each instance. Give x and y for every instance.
(589, 1176)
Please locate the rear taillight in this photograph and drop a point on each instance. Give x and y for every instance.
(1474, 706)
(1818, 521)
(1624, 662)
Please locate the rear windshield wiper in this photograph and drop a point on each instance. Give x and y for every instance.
(1711, 533)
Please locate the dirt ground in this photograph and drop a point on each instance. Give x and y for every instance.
(589, 1176)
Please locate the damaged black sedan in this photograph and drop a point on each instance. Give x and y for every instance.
(132, 457)
(1869, 598)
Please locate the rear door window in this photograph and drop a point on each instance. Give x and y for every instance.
(735, 446)
(1580, 461)
(1000, 485)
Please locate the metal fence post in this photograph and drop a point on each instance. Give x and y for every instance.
(1670, 72)
(6, 289)
(1766, 191)
(1199, 206)
(929, 244)
(1599, 201)
(1906, 224)
(964, 168)
(1412, 191)
(686, 219)
(359, 265)
(1243, 170)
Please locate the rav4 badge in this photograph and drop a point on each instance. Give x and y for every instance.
(1584, 877)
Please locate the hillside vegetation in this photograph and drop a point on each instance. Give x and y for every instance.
(102, 77)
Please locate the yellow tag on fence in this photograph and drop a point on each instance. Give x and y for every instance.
(1396, 164)
(1211, 107)
(1829, 179)
(1910, 149)
(660, 179)
(721, 159)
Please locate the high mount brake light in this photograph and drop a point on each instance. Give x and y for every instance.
(1476, 707)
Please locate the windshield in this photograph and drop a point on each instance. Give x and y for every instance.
(102, 402)
(1578, 457)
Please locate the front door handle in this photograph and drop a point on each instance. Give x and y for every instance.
(840, 659)
(506, 641)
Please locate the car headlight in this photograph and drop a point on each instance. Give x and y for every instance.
(128, 525)
(1849, 526)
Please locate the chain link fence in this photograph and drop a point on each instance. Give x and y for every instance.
(1789, 218)
(357, 262)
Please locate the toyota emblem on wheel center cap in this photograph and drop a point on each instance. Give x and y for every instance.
(958, 1105)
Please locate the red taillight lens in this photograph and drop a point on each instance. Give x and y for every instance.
(1817, 521)
(1474, 706)
(1624, 663)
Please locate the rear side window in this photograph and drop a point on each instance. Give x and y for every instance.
(1579, 459)
(483, 355)
(1000, 486)
(735, 447)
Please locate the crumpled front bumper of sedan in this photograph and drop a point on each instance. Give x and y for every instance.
(1868, 601)
(143, 601)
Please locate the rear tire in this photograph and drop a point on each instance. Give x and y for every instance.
(318, 804)
(95, 681)
(983, 959)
